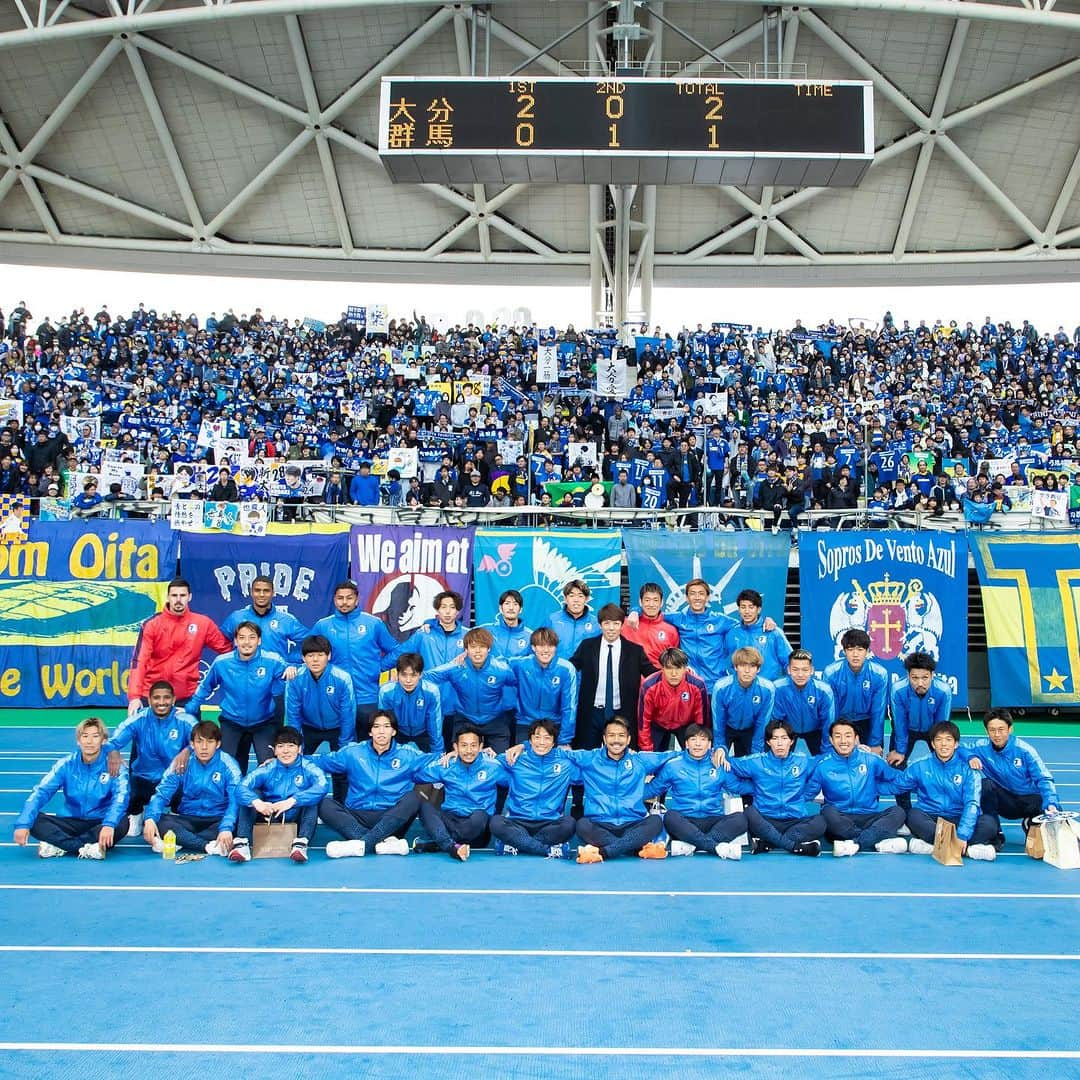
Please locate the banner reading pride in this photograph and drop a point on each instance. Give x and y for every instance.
(1031, 595)
(538, 563)
(729, 562)
(72, 599)
(304, 570)
(897, 586)
(400, 569)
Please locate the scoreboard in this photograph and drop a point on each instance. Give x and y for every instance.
(626, 130)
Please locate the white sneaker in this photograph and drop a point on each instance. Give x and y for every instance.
(157, 845)
(892, 845)
(213, 848)
(91, 851)
(343, 849)
(392, 845)
(919, 847)
(49, 851)
(731, 850)
(241, 852)
(845, 847)
(135, 823)
(904, 830)
(982, 852)
(681, 847)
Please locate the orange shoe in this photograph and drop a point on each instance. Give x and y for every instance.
(589, 853)
(655, 850)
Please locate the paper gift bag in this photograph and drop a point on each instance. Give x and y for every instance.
(947, 848)
(270, 841)
(1034, 844)
(1061, 843)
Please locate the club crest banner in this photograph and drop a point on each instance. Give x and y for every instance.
(538, 563)
(729, 562)
(1030, 588)
(400, 569)
(72, 599)
(897, 587)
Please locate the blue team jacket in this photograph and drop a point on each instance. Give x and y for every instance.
(912, 714)
(694, 787)
(615, 790)
(852, 784)
(572, 632)
(326, 703)
(772, 644)
(538, 784)
(206, 791)
(157, 741)
(704, 640)
(89, 791)
(813, 708)
(376, 781)
(861, 697)
(469, 788)
(950, 789)
(272, 782)
(279, 627)
(361, 645)
(437, 648)
(248, 687)
(781, 786)
(1016, 767)
(510, 641)
(417, 713)
(547, 693)
(737, 709)
(479, 690)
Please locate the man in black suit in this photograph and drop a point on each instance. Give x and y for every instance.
(611, 670)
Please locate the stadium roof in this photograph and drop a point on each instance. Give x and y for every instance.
(240, 137)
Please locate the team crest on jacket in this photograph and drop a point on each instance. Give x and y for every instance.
(491, 680)
(395, 763)
(103, 778)
(299, 779)
(710, 627)
(329, 691)
(712, 774)
(260, 672)
(273, 624)
(557, 768)
(216, 778)
(192, 628)
(361, 630)
(628, 764)
(174, 734)
(555, 681)
(419, 702)
(862, 768)
(957, 778)
(661, 635)
(1017, 763)
(810, 700)
(794, 770)
(685, 695)
(482, 774)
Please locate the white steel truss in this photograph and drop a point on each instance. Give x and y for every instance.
(491, 224)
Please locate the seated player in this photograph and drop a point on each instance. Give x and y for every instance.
(95, 802)
(533, 822)
(782, 783)
(742, 705)
(287, 786)
(547, 688)
(416, 703)
(750, 632)
(947, 787)
(380, 803)
(671, 701)
(209, 790)
(695, 788)
(851, 780)
(805, 701)
(861, 688)
(469, 780)
(1015, 782)
(918, 703)
(156, 733)
(615, 821)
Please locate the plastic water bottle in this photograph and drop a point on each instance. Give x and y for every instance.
(168, 850)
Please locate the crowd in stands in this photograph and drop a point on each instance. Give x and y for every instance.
(106, 407)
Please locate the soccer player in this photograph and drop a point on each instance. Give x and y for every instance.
(918, 703)
(320, 702)
(540, 774)
(512, 636)
(805, 701)
(861, 688)
(695, 787)
(441, 640)
(208, 789)
(615, 821)
(650, 629)
(1015, 782)
(547, 688)
(282, 632)
(750, 632)
(95, 802)
(574, 621)
(381, 802)
(286, 786)
(782, 782)
(470, 781)
(249, 679)
(742, 705)
(170, 646)
(156, 734)
(852, 780)
(947, 787)
(416, 703)
(671, 701)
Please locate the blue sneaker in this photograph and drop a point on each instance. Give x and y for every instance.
(559, 851)
(504, 849)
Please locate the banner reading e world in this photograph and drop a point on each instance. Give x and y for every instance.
(72, 599)
(907, 590)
